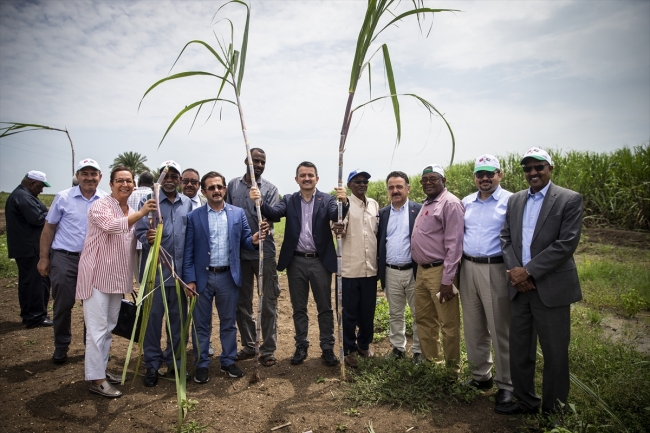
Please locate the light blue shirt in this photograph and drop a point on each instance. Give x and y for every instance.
(398, 238)
(531, 213)
(483, 222)
(219, 242)
(69, 211)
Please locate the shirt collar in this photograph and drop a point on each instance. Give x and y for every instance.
(217, 211)
(258, 180)
(76, 192)
(356, 200)
(496, 195)
(438, 197)
(401, 207)
(542, 192)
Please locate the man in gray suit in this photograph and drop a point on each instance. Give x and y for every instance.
(540, 233)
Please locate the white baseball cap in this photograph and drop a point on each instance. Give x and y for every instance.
(433, 168)
(486, 162)
(37, 175)
(539, 154)
(171, 164)
(88, 163)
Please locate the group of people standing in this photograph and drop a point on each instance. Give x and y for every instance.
(507, 257)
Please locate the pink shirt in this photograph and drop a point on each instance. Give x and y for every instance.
(106, 261)
(438, 234)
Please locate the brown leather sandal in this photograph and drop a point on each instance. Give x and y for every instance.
(267, 360)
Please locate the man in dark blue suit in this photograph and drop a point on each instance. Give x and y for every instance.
(308, 255)
(211, 267)
(395, 267)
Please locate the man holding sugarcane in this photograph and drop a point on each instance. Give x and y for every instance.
(359, 232)
(174, 208)
(238, 195)
(308, 255)
(62, 240)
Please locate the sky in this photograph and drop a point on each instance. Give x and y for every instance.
(507, 75)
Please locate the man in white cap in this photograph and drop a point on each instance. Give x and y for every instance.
(540, 234)
(174, 208)
(359, 271)
(62, 240)
(483, 281)
(25, 215)
(436, 246)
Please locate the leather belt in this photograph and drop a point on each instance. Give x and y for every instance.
(68, 253)
(308, 255)
(495, 259)
(218, 269)
(432, 265)
(400, 267)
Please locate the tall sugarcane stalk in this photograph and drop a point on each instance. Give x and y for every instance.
(15, 128)
(367, 35)
(233, 62)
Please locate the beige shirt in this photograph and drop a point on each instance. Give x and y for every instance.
(360, 241)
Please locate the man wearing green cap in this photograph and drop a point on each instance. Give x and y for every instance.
(539, 236)
(25, 215)
(436, 246)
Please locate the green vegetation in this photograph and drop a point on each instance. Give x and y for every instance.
(615, 186)
(45, 198)
(8, 268)
(132, 160)
(382, 320)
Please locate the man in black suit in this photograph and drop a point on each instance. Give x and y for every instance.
(25, 215)
(308, 255)
(539, 236)
(395, 267)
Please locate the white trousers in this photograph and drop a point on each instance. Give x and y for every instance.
(486, 319)
(400, 289)
(101, 311)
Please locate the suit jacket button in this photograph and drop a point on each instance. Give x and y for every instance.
(207, 268)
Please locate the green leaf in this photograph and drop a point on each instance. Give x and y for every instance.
(176, 76)
(393, 90)
(417, 11)
(188, 108)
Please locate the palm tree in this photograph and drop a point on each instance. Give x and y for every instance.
(131, 160)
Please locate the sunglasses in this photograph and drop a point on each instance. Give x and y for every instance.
(190, 181)
(217, 187)
(483, 173)
(360, 182)
(529, 168)
(426, 180)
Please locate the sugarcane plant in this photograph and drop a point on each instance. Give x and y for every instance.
(233, 62)
(156, 259)
(16, 128)
(373, 26)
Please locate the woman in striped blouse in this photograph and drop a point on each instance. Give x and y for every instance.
(106, 273)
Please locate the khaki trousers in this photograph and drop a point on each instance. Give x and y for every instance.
(400, 290)
(486, 319)
(433, 317)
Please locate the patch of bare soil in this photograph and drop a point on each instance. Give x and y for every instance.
(619, 238)
(39, 396)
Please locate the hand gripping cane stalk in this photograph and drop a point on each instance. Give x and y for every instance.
(260, 272)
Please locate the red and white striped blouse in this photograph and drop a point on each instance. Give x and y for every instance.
(106, 261)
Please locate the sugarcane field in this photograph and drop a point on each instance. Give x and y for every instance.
(301, 216)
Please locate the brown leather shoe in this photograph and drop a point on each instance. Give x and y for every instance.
(366, 353)
(351, 360)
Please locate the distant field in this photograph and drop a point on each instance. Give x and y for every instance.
(45, 198)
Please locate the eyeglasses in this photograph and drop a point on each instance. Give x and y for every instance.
(529, 168)
(190, 181)
(172, 176)
(361, 182)
(216, 187)
(123, 181)
(482, 173)
(426, 180)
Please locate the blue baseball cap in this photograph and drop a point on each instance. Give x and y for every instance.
(357, 172)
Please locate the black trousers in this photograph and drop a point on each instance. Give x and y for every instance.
(33, 291)
(359, 301)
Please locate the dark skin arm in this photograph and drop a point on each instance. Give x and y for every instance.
(446, 292)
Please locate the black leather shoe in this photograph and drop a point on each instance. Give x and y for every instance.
(45, 323)
(60, 355)
(151, 377)
(299, 356)
(480, 384)
(395, 354)
(330, 359)
(515, 409)
(503, 397)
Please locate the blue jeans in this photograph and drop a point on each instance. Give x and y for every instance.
(221, 287)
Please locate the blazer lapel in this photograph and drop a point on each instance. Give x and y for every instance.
(203, 216)
(295, 202)
(412, 216)
(517, 222)
(547, 205)
(318, 202)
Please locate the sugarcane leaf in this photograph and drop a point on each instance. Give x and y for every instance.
(188, 108)
(179, 75)
(16, 127)
(393, 90)
(207, 46)
(244, 44)
(412, 12)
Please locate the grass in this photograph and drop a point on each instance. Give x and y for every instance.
(45, 198)
(382, 320)
(8, 268)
